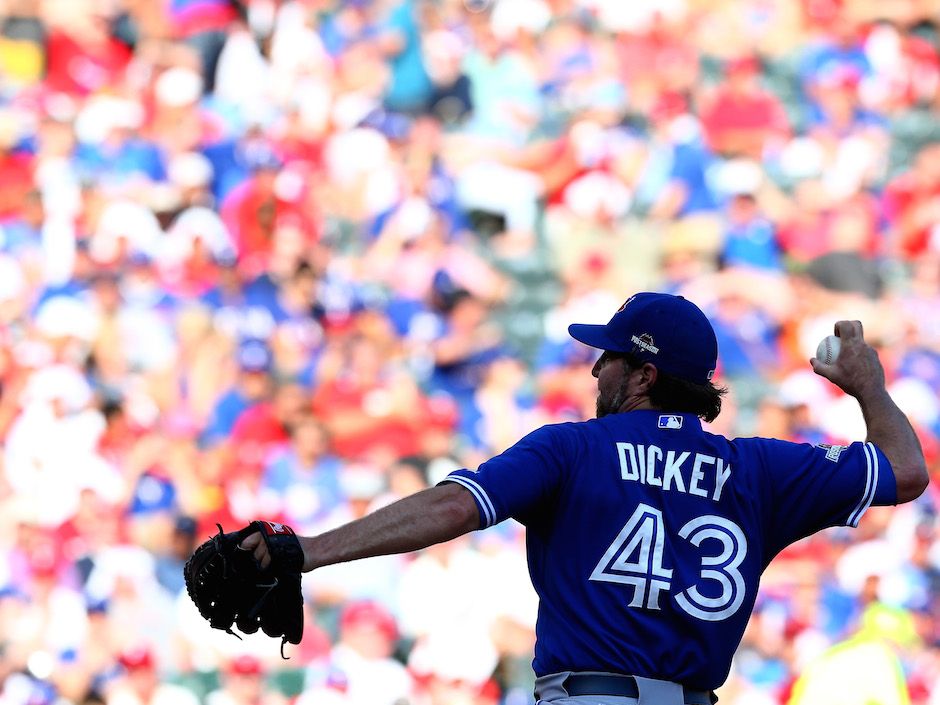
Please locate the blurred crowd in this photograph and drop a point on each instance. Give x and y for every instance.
(295, 259)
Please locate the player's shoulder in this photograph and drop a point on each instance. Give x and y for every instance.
(562, 430)
(764, 443)
(770, 450)
(751, 444)
(562, 438)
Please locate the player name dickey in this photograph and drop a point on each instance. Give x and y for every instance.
(683, 471)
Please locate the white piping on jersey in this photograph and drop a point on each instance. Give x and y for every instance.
(871, 484)
(483, 499)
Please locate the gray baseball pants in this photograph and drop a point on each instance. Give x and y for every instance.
(550, 690)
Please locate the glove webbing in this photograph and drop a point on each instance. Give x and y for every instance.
(261, 600)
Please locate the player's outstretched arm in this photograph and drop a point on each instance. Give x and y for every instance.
(858, 372)
(428, 517)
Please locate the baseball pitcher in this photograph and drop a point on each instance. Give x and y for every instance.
(646, 535)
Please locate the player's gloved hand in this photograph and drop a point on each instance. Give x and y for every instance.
(857, 371)
(230, 587)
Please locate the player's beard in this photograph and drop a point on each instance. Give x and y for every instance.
(605, 406)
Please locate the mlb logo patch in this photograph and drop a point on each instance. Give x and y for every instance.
(670, 421)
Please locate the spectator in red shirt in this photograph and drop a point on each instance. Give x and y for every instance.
(660, 60)
(370, 407)
(256, 210)
(263, 427)
(742, 119)
(918, 75)
(912, 204)
(817, 224)
(16, 169)
(260, 431)
(83, 56)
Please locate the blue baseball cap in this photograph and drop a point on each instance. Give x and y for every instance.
(254, 356)
(669, 331)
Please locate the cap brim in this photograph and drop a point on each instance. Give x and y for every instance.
(592, 334)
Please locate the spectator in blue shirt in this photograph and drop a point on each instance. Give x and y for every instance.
(750, 239)
(673, 183)
(252, 385)
(841, 47)
(304, 475)
(399, 39)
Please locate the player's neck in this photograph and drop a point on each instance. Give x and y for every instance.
(636, 403)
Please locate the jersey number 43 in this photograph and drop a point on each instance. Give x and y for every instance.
(635, 558)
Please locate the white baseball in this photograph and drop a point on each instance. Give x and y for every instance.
(828, 350)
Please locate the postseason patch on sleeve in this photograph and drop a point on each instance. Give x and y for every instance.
(832, 451)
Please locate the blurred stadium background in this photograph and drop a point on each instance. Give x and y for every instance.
(297, 258)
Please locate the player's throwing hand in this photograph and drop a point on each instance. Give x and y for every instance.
(857, 371)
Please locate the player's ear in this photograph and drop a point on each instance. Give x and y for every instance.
(648, 375)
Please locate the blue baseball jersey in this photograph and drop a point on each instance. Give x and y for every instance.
(647, 536)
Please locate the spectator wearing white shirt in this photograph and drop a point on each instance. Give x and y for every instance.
(141, 683)
(243, 684)
(360, 669)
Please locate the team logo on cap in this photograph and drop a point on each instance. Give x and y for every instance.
(645, 342)
(625, 303)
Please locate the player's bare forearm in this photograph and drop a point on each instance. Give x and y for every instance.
(890, 430)
(858, 372)
(428, 517)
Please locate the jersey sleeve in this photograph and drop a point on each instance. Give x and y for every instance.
(815, 487)
(521, 479)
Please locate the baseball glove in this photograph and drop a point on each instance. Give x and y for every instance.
(229, 587)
